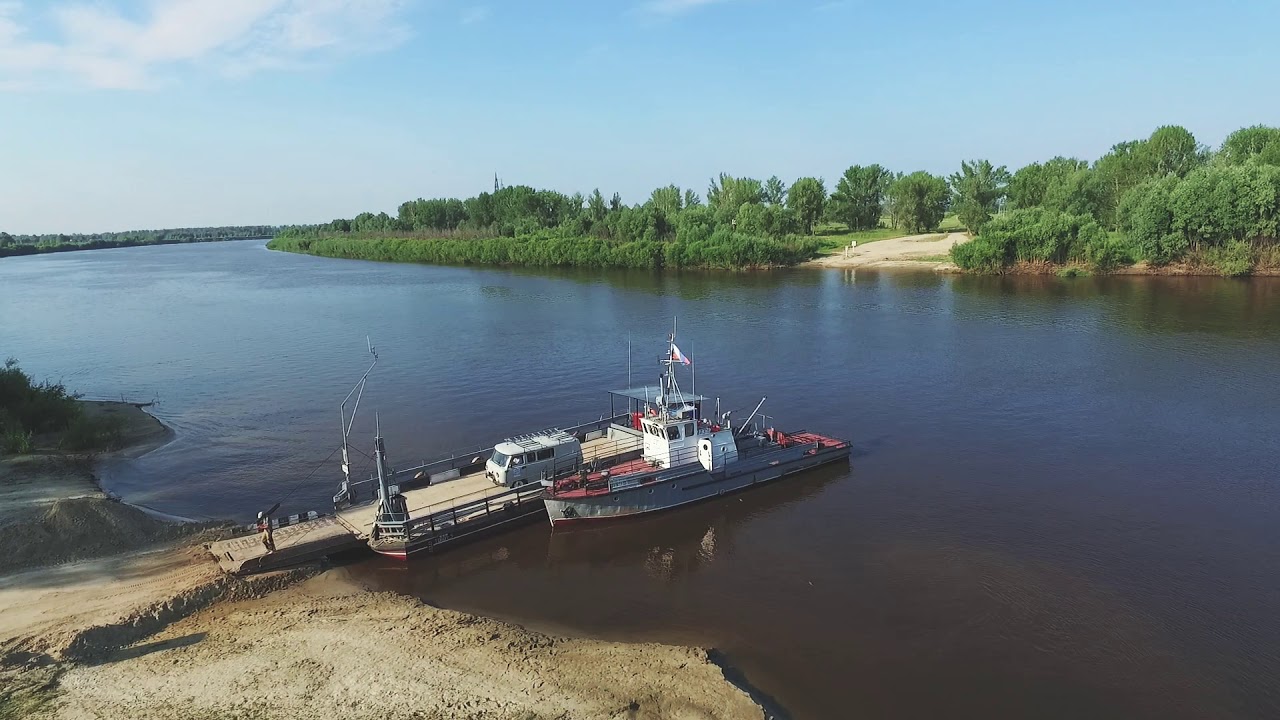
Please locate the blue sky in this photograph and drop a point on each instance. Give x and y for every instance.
(123, 114)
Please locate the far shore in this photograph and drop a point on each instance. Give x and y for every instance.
(107, 610)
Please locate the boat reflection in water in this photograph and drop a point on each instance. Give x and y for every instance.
(627, 568)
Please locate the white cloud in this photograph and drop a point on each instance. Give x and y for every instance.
(671, 8)
(105, 46)
(477, 14)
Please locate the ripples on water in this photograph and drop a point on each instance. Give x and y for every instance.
(1062, 501)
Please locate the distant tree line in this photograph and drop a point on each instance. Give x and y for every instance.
(744, 222)
(1166, 199)
(35, 244)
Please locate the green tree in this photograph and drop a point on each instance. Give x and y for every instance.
(978, 188)
(807, 197)
(1147, 221)
(1258, 141)
(1027, 187)
(919, 201)
(750, 219)
(667, 199)
(859, 197)
(1127, 165)
(727, 193)
(774, 193)
(596, 206)
(691, 199)
(1174, 151)
(1075, 193)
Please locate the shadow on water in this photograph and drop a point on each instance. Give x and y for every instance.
(666, 547)
(685, 285)
(1241, 308)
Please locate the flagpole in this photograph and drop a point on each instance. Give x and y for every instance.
(693, 369)
(628, 361)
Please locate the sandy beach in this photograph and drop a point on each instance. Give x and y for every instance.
(919, 252)
(106, 611)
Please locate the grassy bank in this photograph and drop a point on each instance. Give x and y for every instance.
(722, 249)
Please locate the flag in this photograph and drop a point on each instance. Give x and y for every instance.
(678, 356)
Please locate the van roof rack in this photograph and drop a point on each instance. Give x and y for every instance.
(540, 439)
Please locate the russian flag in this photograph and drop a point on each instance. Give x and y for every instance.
(678, 356)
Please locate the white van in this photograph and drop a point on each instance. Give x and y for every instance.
(532, 458)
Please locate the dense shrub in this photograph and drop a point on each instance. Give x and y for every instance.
(1040, 235)
(1232, 259)
(29, 407)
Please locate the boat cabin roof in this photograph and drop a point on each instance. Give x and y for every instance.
(650, 393)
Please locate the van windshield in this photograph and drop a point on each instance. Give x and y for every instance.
(499, 459)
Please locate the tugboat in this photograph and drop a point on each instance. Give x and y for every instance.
(686, 457)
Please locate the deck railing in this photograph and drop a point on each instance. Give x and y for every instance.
(444, 516)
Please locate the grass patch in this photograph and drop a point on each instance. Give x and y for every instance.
(951, 223)
(930, 258)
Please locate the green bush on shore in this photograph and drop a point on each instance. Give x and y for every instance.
(29, 409)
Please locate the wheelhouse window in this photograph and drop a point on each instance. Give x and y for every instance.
(688, 429)
(673, 432)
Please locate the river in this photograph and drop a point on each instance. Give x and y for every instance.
(1062, 501)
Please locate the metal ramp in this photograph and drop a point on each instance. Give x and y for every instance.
(295, 544)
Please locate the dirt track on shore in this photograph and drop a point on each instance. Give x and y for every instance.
(903, 252)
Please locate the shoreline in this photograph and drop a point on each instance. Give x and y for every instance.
(107, 609)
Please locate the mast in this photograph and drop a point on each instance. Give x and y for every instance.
(358, 391)
(380, 458)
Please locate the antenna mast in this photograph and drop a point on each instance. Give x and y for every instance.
(358, 391)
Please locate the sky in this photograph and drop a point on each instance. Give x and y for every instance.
(140, 114)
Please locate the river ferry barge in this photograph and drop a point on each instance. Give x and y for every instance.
(685, 457)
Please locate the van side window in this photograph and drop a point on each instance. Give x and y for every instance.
(544, 454)
(530, 457)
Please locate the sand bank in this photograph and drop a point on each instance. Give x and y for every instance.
(911, 252)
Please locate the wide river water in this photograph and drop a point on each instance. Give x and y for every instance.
(1064, 499)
